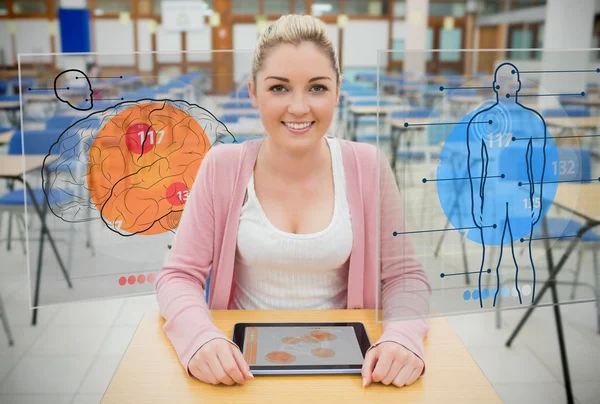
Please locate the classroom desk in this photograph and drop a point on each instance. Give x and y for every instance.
(12, 167)
(581, 200)
(6, 136)
(150, 371)
(356, 111)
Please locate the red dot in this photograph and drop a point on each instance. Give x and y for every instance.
(138, 135)
(177, 193)
(131, 280)
(122, 281)
(141, 279)
(151, 278)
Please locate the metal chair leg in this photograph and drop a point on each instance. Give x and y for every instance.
(5, 323)
(577, 271)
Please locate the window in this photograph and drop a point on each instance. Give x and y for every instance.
(375, 8)
(245, 7)
(445, 8)
(397, 46)
(111, 7)
(525, 36)
(276, 7)
(399, 8)
(3, 8)
(450, 39)
(29, 6)
(325, 8)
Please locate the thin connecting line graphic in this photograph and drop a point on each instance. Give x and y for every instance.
(457, 179)
(406, 124)
(436, 230)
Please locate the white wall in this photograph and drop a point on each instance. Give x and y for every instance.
(111, 37)
(32, 36)
(199, 45)
(144, 45)
(5, 43)
(362, 40)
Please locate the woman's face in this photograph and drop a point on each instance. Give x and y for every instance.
(296, 94)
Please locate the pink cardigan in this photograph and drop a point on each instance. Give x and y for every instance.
(207, 237)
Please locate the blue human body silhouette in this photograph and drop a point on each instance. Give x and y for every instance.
(519, 136)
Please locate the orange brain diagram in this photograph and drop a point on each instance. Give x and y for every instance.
(142, 165)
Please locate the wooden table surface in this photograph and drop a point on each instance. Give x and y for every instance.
(150, 371)
(589, 122)
(6, 136)
(581, 199)
(12, 166)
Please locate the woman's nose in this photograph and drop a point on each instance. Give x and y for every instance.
(298, 105)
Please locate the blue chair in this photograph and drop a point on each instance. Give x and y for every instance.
(3, 87)
(234, 118)
(569, 112)
(237, 105)
(60, 122)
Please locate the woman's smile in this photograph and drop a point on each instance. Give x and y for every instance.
(298, 128)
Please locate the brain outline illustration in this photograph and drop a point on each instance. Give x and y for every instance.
(130, 165)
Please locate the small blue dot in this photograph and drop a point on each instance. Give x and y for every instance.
(520, 183)
(442, 275)
(507, 95)
(485, 293)
(489, 271)
(395, 234)
(494, 226)
(467, 295)
(582, 93)
(502, 175)
(475, 294)
(522, 240)
(424, 180)
(441, 88)
(598, 70)
(513, 71)
(505, 291)
(406, 124)
(497, 87)
(514, 138)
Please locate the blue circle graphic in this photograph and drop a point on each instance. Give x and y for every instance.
(467, 295)
(505, 291)
(488, 170)
(475, 294)
(485, 293)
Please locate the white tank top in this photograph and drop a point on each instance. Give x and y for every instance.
(279, 270)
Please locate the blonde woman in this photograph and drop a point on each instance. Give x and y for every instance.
(288, 222)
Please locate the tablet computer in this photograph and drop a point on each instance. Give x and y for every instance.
(302, 348)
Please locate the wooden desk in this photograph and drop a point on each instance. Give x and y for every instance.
(11, 167)
(150, 371)
(6, 136)
(590, 122)
(582, 200)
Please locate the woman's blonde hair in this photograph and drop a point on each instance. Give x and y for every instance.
(294, 29)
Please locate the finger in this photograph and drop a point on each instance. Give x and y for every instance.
(230, 366)
(368, 365)
(393, 372)
(414, 376)
(403, 375)
(215, 366)
(384, 363)
(204, 373)
(242, 364)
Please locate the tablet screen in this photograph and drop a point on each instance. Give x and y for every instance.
(298, 346)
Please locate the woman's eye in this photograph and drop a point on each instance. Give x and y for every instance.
(277, 88)
(319, 88)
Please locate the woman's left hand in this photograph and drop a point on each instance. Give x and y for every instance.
(391, 363)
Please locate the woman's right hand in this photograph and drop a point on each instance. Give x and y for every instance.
(219, 361)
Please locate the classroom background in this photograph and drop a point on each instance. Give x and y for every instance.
(67, 351)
